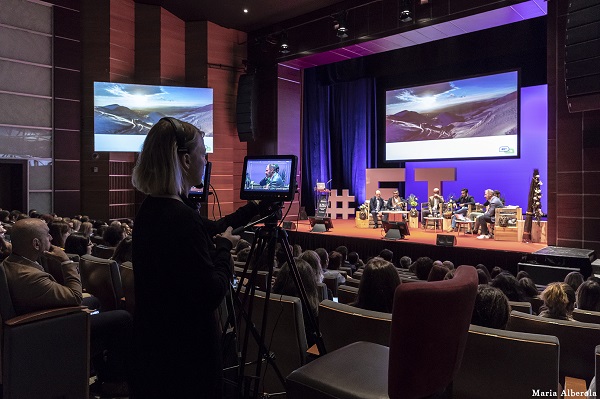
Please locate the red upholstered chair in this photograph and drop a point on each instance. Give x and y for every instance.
(429, 329)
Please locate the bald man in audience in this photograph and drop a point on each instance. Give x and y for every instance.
(31, 288)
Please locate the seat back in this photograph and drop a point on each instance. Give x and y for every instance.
(524, 307)
(342, 324)
(506, 364)
(284, 336)
(101, 278)
(347, 294)
(322, 291)
(127, 282)
(577, 341)
(332, 284)
(586, 316)
(261, 279)
(430, 322)
(103, 251)
(350, 281)
(536, 304)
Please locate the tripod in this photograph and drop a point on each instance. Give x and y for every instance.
(265, 241)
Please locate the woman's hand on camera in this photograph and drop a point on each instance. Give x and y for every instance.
(228, 235)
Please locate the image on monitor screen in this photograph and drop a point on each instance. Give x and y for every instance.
(124, 113)
(470, 118)
(269, 177)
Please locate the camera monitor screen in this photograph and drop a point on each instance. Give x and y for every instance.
(200, 193)
(124, 113)
(471, 118)
(269, 177)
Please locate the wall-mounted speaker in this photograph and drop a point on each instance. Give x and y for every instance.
(245, 107)
(582, 55)
(445, 240)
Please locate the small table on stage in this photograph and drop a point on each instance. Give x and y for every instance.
(465, 225)
(393, 216)
(435, 221)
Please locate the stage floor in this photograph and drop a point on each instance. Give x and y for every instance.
(347, 228)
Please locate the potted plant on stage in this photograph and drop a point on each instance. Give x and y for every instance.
(413, 202)
(534, 206)
(362, 211)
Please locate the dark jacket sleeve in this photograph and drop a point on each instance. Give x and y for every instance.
(237, 219)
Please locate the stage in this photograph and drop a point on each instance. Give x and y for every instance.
(369, 242)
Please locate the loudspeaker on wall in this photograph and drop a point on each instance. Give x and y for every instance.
(445, 240)
(246, 102)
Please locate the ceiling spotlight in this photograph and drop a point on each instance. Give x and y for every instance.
(245, 11)
(284, 46)
(405, 13)
(340, 25)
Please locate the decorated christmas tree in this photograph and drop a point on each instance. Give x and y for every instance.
(534, 205)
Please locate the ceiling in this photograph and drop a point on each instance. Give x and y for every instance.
(230, 14)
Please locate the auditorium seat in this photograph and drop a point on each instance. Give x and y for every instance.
(597, 372)
(322, 291)
(332, 284)
(428, 334)
(350, 281)
(347, 294)
(586, 316)
(103, 251)
(102, 279)
(43, 354)
(260, 280)
(128, 284)
(284, 336)
(342, 324)
(499, 364)
(577, 341)
(524, 307)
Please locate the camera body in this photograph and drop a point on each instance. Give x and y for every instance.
(269, 178)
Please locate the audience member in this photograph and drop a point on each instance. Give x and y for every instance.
(241, 245)
(333, 265)
(482, 277)
(422, 267)
(243, 255)
(123, 251)
(484, 269)
(113, 235)
(574, 279)
(559, 301)
(588, 296)
(76, 225)
(522, 274)
(495, 271)
(528, 287)
(508, 284)
(342, 249)
(491, 308)
(86, 229)
(176, 334)
(313, 259)
(405, 262)
(377, 286)
(449, 275)
(448, 264)
(438, 272)
(353, 259)
(386, 254)
(59, 231)
(5, 246)
(78, 244)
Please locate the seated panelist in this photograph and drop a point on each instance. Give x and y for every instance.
(434, 202)
(395, 202)
(377, 205)
(272, 178)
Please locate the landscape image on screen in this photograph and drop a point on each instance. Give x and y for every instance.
(124, 113)
(468, 118)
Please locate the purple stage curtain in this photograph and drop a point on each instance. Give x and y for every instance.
(339, 133)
